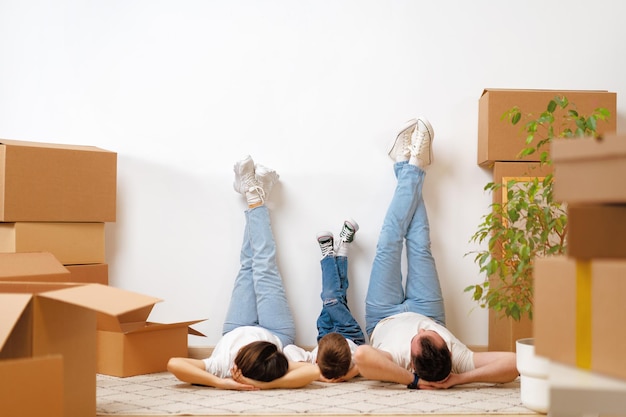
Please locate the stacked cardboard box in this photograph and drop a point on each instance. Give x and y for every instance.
(499, 143)
(59, 325)
(580, 299)
(499, 140)
(57, 198)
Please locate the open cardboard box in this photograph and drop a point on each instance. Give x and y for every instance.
(55, 333)
(56, 183)
(24, 371)
(127, 343)
(66, 319)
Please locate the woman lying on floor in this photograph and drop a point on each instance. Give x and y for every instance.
(258, 322)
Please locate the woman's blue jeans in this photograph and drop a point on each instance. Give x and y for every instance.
(335, 315)
(258, 297)
(405, 221)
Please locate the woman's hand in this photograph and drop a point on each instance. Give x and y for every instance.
(238, 381)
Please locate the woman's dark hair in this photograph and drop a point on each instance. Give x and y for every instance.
(434, 363)
(261, 361)
(333, 356)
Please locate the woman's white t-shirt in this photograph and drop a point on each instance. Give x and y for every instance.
(394, 334)
(223, 357)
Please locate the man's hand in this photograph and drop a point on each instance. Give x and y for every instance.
(452, 380)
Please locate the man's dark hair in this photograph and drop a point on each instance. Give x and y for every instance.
(261, 361)
(434, 363)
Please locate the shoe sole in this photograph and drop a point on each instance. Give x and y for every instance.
(354, 224)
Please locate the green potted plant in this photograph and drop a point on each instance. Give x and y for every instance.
(530, 222)
(527, 224)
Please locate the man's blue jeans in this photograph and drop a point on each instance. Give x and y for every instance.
(335, 315)
(258, 297)
(406, 220)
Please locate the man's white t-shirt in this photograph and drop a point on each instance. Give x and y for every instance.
(223, 357)
(394, 333)
(297, 354)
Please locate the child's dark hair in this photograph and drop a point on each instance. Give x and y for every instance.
(261, 361)
(434, 363)
(334, 357)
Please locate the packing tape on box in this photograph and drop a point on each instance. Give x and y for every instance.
(583, 314)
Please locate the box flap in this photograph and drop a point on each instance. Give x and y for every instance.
(23, 143)
(147, 326)
(114, 306)
(151, 327)
(34, 287)
(486, 90)
(12, 307)
(32, 266)
(610, 146)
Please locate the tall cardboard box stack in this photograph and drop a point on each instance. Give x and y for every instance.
(580, 299)
(499, 143)
(59, 325)
(57, 198)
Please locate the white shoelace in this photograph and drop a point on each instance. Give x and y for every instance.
(417, 137)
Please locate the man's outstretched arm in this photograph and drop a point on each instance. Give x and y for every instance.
(377, 364)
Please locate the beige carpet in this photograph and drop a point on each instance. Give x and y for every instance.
(161, 395)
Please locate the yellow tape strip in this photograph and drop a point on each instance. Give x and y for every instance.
(583, 314)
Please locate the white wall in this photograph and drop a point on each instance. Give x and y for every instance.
(314, 89)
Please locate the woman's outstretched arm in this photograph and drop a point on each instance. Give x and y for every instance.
(193, 371)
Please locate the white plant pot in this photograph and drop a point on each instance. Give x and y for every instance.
(534, 387)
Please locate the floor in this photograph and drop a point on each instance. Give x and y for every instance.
(163, 395)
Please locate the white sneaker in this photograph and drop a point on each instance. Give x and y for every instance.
(246, 182)
(244, 174)
(421, 143)
(399, 148)
(266, 177)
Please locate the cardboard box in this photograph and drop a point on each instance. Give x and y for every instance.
(596, 231)
(128, 344)
(56, 183)
(520, 170)
(70, 243)
(46, 326)
(504, 331)
(32, 387)
(499, 140)
(579, 312)
(588, 170)
(36, 266)
(89, 274)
